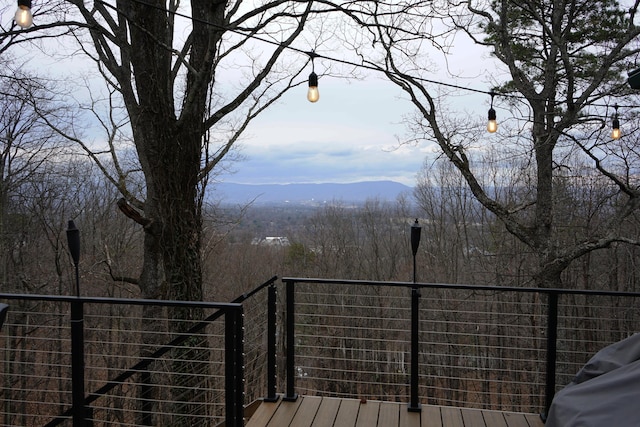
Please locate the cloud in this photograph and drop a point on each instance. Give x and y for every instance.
(350, 135)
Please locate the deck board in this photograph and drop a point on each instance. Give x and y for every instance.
(533, 420)
(312, 411)
(347, 413)
(430, 416)
(451, 417)
(473, 418)
(263, 414)
(409, 419)
(516, 420)
(368, 414)
(327, 412)
(494, 419)
(285, 413)
(389, 414)
(306, 412)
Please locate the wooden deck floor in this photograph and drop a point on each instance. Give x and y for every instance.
(309, 411)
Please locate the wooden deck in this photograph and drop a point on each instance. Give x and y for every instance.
(308, 411)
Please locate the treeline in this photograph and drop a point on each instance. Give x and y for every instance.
(471, 357)
(461, 243)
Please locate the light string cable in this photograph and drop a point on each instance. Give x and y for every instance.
(313, 55)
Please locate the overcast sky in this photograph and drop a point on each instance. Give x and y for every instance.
(350, 135)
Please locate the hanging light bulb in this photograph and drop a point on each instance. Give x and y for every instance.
(312, 94)
(23, 17)
(615, 132)
(492, 124)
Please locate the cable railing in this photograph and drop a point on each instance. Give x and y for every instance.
(489, 347)
(144, 362)
(125, 362)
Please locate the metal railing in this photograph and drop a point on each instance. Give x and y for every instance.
(493, 347)
(106, 361)
(457, 345)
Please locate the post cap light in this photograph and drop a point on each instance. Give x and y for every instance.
(73, 239)
(23, 17)
(415, 237)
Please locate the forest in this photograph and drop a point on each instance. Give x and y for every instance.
(152, 98)
(461, 243)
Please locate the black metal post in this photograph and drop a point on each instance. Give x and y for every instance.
(291, 340)
(77, 364)
(229, 368)
(416, 230)
(271, 344)
(234, 368)
(239, 376)
(414, 404)
(3, 313)
(77, 335)
(73, 240)
(552, 349)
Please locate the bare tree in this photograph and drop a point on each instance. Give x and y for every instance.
(190, 78)
(177, 111)
(27, 145)
(565, 62)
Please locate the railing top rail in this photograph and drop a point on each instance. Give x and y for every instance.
(249, 294)
(556, 291)
(128, 301)
(235, 304)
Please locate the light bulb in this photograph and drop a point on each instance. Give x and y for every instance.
(492, 124)
(615, 133)
(23, 17)
(312, 94)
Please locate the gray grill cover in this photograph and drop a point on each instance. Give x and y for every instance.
(605, 392)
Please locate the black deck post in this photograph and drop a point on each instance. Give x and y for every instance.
(414, 404)
(552, 349)
(234, 371)
(291, 340)
(77, 335)
(77, 364)
(271, 344)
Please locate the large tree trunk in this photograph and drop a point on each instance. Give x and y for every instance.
(172, 266)
(169, 152)
(167, 88)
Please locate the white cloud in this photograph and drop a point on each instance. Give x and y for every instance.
(347, 136)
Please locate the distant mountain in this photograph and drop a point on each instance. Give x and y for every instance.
(312, 194)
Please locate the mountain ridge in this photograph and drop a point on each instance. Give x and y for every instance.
(309, 193)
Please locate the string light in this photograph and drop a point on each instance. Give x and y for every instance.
(23, 17)
(492, 124)
(615, 132)
(313, 95)
(313, 79)
(316, 55)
